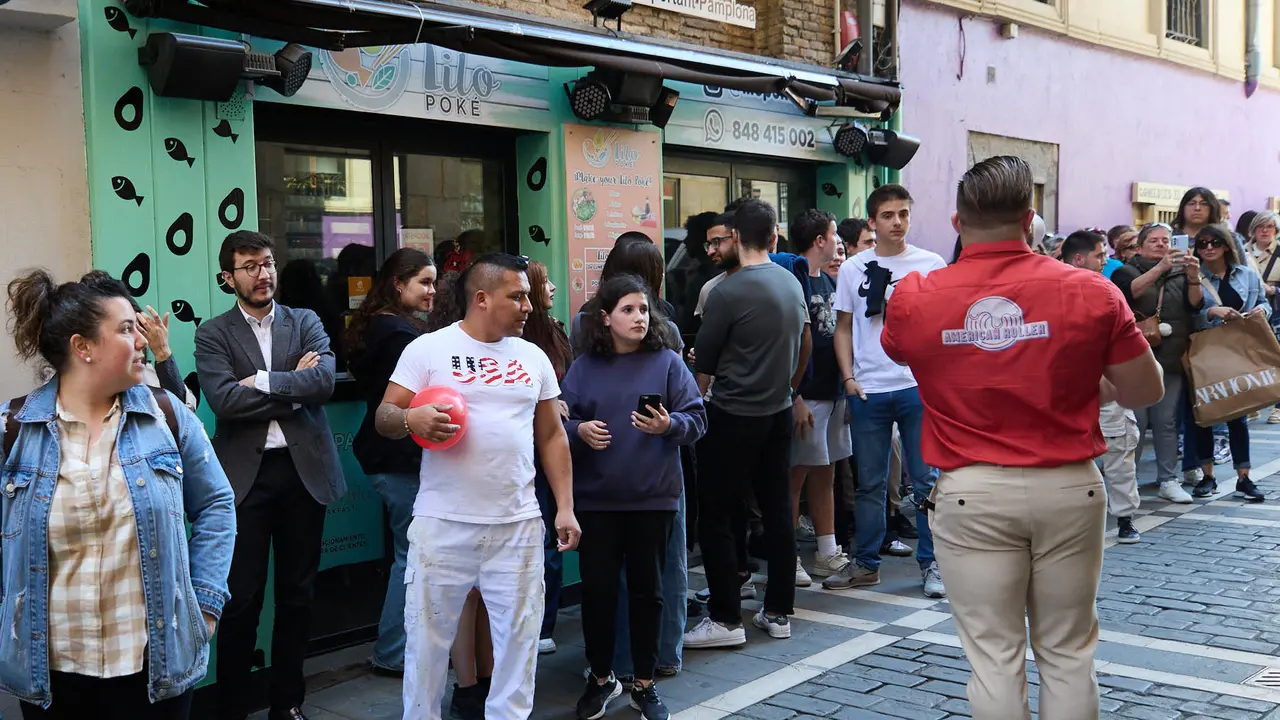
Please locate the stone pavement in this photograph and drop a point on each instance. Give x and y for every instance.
(1188, 617)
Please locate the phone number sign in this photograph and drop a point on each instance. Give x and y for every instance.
(751, 130)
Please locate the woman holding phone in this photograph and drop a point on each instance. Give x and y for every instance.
(632, 404)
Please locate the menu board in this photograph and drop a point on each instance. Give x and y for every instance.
(614, 186)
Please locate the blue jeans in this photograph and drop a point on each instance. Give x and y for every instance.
(675, 589)
(553, 559)
(872, 424)
(398, 492)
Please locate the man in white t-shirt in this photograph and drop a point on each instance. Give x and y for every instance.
(881, 392)
(476, 518)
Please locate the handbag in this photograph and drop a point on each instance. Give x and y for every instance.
(1232, 369)
(1150, 326)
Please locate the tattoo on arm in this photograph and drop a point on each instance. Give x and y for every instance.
(390, 421)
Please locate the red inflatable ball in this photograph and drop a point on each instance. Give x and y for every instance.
(441, 395)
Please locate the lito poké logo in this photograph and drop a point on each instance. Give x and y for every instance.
(994, 324)
(603, 146)
(369, 78)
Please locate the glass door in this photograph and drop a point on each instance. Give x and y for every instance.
(449, 207)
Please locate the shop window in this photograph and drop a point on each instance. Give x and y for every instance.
(317, 203)
(774, 193)
(1185, 21)
(449, 207)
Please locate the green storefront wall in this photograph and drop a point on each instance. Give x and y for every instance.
(169, 178)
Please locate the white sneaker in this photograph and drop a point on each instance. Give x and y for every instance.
(1192, 476)
(1172, 491)
(546, 646)
(748, 592)
(779, 627)
(802, 577)
(711, 634)
(828, 566)
(1274, 418)
(804, 529)
(932, 580)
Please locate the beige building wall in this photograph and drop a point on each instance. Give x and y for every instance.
(1138, 26)
(44, 198)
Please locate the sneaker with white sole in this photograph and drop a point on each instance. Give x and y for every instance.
(1192, 476)
(853, 576)
(595, 699)
(1221, 451)
(896, 548)
(1274, 417)
(778, 626)
(802, 577)
(748, 592)
(828, 566)
(932, 578)
(804, 529)
(1126, 533)
(546, 646)
(1172, 491)
(711, 634)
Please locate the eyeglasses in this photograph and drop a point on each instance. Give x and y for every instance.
(715, 241)
(1211, 242)
(253, 269)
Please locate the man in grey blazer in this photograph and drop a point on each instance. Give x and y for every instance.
(266, 371)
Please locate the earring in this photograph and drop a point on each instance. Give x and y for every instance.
(88, 359)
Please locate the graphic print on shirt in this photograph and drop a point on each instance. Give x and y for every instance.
(875, 287)
(488, 371)
(822, 317)
(993, 324)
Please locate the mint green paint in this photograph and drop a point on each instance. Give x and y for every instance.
(545, 209)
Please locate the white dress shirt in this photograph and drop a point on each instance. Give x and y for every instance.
(262, 381)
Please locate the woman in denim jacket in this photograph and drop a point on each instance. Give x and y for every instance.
(1242, 294)
(106, 608)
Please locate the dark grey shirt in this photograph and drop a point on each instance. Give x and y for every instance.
(750, 339)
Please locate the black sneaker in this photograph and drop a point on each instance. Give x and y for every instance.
(1126, 535)
(646, 700)
(468, 703)
(596, 698)
(1246, 490)
(1206, 487)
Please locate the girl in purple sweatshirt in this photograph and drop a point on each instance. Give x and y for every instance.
(626, 479)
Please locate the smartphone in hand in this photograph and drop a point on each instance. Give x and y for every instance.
(1181, 242)
(647, 401)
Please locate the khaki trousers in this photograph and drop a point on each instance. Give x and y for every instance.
(1019, 543)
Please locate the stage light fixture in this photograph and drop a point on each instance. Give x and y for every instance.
(891, 149)
(589, 97)
(203, 68)
(850, 140)
(607, 10)
(627, 98)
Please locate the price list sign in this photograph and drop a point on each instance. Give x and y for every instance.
(614, 186)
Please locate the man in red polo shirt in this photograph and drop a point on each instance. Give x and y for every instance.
(1013, 353)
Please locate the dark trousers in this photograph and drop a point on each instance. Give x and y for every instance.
(1237, 435)
(278, 513)
(610, 541)
(123, 698)
(552, 558)
(738, 453)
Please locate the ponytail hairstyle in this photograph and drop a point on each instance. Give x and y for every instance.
(44, 316)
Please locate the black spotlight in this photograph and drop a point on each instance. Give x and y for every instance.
(891, 149)
(590, 97)
(660, 114)
(202, 68)
(607, 10)
(850, 139)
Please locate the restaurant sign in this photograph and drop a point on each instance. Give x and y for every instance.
(725, 11)
(711, 117)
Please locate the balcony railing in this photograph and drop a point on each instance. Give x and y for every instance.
(1186, 22)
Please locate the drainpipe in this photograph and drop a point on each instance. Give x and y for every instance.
(837, 6)
(891, 9)
(1253, 46)
(866, 27)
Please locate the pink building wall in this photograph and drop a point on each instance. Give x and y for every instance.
(1117, 118)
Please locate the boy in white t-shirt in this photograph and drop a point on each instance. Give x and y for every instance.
(476, 518)
(881, 392)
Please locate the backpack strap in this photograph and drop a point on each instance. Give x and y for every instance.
(166, 406)
(11, 426)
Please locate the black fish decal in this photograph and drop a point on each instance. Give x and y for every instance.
(117, 21)
(182, 310)
(178, 151)
(224, 130)
(538, 171)
(125, 190)
(131, 100)
(184, 226)
(223, 285)
(140, 266)
(875, 181)
(537, 234)
(831, 190)
(192, 381)
(233, 201)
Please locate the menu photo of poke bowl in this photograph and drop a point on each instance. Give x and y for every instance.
(583, 204)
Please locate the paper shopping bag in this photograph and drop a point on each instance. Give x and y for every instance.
(1233, 370)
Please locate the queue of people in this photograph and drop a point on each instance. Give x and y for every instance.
(846, 375)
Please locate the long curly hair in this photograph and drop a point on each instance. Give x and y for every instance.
(600, 337)
(384, 297)
(448, 308)
(541, 328)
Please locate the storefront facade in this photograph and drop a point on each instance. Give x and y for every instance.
(405, 145)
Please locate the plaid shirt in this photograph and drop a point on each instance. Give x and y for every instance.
(97, 608)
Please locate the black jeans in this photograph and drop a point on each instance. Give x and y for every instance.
(123, 698)
(1237, 436)
(637, 539)
(278, 513)
(736, 453)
